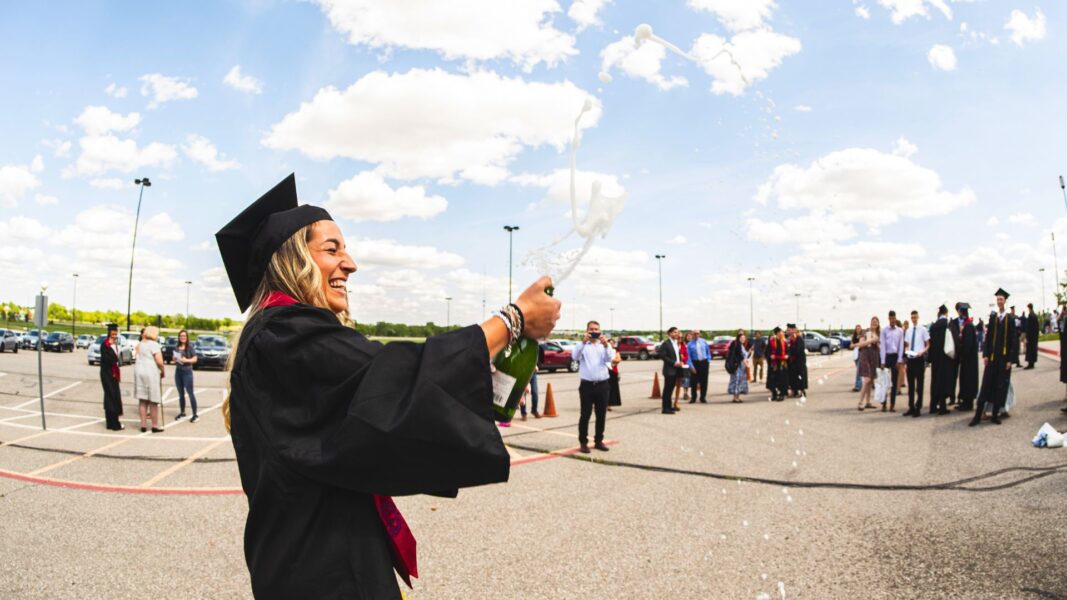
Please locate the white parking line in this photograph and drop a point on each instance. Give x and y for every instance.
(48, 395)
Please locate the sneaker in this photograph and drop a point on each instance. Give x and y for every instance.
(180, 416)
(194, 419)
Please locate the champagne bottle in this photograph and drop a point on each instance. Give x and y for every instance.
(515, 366)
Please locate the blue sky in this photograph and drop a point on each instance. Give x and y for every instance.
(877, 154)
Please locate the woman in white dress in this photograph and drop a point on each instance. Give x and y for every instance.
(148, 377)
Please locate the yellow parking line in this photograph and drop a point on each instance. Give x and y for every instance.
(74, 459)
(528, 428)
(192, 457)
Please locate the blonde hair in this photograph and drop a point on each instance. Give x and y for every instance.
(151, 333)
(291, 270)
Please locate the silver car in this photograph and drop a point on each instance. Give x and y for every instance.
(84, 341)
(9, 341)
(125, 352)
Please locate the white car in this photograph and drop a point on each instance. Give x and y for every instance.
(84, 341)
(125, 351)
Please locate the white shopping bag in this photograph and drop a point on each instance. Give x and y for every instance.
(950, 345)
(1009, 403)
(881, 386)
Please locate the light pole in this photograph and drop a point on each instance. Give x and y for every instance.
(143, 182)
(659, 261)
(612, 310)
(1044, 302)
(511, 229)
(74, 306)
(751, 319)
(797, 296)
(448, 311)
(188, 284)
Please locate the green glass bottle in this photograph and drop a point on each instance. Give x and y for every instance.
(515, 366)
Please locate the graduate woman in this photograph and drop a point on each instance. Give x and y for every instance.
(327, 425)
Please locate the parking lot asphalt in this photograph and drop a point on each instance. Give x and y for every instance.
(803, 499)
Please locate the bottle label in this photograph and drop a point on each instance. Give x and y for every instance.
(502, 386)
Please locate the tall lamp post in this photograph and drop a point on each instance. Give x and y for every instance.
(659, 261)
(143, 182)
(188, 284)
(612, 310)
(751, 319)
(511, 229)
(448, 311)
(797, 296)
(1044, 301)
(74, 306)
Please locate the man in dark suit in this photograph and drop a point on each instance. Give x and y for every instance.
(1032, 333)
(942, 366)
(999, 352)
(673, 368)
(966, 355)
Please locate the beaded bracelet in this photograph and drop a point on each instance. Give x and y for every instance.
(522, 317)
(507, 325)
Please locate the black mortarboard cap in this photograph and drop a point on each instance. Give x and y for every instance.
(942, 309)
(790, 325)
(777, 329)
(251, 238)
(112, 327)
(1001, 292)
(963, 306)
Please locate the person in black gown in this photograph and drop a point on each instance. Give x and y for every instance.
(778, 365)
(798, 361)
(967, 356)
(110, 376)
(1033, 327)
(1063, 350)
(328, 425)
(942, 366)
(1000, 352)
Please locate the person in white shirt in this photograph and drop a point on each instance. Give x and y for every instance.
(916, 345)
(594, 357)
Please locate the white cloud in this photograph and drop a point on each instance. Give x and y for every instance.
(756, 53)
(106, 153)
(862, 12)
(109, 183)
(792, 231)
(388, 253)
(1024, 28)
(430, 123)
(586, 12)
(642, 61)
(520, 30)
(942, 58)
(37, 164)
(557, 185)
(161, 228)
(108, 228)
(1025, 219)
(862, 185)
(367, 197)
(98, 120)
(737, 15)
(15, 181)
(802, 108)
(992, 221)
(902, 147)
(201, 150)
(23, 228)
(44, 199)
(677, 240)
(903, 10)
(115, 91)
(204, 246)
(59, 148)
(162, 88)
(242, 83)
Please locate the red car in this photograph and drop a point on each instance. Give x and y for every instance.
(637, 347)
(719, 346)
(553, 357)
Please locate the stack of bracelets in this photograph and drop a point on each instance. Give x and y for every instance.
(513, 319)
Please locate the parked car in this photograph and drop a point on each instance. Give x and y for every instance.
(556, 358)
(125, 352)
(633, 346)
(211, 351)
(720, 345)
(130, 340)
(59, 341)
(817, 342)
(566, 344)
(844, 340)
(84, 341)
(168, 347)
(32, 338)
(9, 341)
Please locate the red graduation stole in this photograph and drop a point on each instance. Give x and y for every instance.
(401, 540)
(116, 373)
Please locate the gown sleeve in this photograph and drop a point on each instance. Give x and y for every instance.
(394, 419)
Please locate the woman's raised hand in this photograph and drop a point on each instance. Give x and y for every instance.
(540, 310)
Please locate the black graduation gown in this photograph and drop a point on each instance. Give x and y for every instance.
(112, 393)
(942, 368)
(967, 356)
(1001, 347)
(798, 365)
(1063, 349)
(1032, 336)
(323, 419)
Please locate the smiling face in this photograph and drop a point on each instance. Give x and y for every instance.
(327, 247)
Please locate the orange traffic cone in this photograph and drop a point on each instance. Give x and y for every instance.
(550, 403)
(655, 387)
